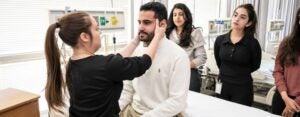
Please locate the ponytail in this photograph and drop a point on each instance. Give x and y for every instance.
(55, 86)
(70, 26)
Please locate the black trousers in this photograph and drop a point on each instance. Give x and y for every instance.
(278, 104)
(195, 81)
(242, 94)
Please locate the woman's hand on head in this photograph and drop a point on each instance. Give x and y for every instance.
(160, 28)
(136, 40)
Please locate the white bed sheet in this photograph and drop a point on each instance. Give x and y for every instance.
(201, 105)
(262, 75)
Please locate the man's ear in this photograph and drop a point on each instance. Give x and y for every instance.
(84, 37)
(248, 24)
(163, 22)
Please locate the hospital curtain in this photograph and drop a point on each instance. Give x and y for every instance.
(284, 10)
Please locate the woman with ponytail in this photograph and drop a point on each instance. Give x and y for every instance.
(238, 54)
(94, 82)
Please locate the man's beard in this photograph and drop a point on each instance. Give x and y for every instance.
(146, 37)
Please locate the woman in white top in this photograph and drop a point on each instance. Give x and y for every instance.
(181, 30)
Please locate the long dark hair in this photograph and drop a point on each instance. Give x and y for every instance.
(70, 27)
(291, 44)
(185, 35)
(252, 18)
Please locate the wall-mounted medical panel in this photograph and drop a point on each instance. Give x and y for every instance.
(106, 19)
(226, 25)
(219, 26)
(275, 25)
(212, 27)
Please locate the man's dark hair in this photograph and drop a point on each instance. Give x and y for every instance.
(158, 8)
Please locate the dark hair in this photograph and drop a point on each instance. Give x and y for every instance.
(185, 35)
(158, 8)
(71, 26)
(252, 18)
(291, 45)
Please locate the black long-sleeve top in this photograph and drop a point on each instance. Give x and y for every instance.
(237, 61)
(95, 83)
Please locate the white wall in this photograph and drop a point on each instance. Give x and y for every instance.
(23, 25)
(24, 22)
(205, 10)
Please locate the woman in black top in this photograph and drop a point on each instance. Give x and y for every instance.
(238, 54)
(94, 81)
